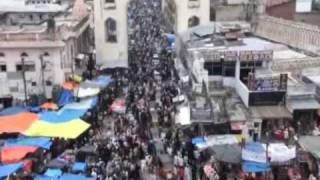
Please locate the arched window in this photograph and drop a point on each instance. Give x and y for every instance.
(111, 30)
(193, 21)
(46, 54)
(24, 54)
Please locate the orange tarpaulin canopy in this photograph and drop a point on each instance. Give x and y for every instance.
(18, 123)
(49, 105)
(16, 153)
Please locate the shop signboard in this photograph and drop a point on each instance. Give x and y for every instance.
(265, 55)
(266, 98)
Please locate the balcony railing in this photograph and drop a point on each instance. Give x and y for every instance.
(26, 36)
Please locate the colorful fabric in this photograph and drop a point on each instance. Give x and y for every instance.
(16, 153)
(66, 97)
(13, 110)
(42, 142)
(64, 115)
(6, 170)
(53, 172)
(69, 130)
(18, 123)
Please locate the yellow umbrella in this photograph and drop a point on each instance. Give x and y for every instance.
(69, 130)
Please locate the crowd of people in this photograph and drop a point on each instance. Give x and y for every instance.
(127, 145)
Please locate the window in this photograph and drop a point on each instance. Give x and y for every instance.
(109, 1)
(48, 83)
(28, 67)
(193, 21)
(3, 68)
(229, 69)
(111, 30)
(1, 54)
(24, 54)
(46, 54)
(212, 13)
(214, 68)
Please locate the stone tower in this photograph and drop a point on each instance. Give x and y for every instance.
(111, 36)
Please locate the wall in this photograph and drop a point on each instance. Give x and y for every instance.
(295, 34)
(243, 92)
(229, 13)
(111, 53)
(12, 57)
(184, 13)
(285, 11)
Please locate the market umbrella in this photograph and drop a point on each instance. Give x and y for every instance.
(229, 153)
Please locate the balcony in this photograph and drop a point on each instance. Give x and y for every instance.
(26, 36)
(194, 4)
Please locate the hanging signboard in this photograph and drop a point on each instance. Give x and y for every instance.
(266, 55)
(256, 55)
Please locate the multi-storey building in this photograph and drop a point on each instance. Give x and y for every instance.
(41, 38)
(111, 32)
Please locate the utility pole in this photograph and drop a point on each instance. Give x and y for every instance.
(42, 75)
(24, 80)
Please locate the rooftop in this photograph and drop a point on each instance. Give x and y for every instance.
(203, 38)
(23, 6)
(69, 23)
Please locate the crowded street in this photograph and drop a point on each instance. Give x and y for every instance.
(157, 90)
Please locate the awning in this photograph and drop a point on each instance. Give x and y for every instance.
(254, 167)
(299, 104)
(87, 92)
(18, 123)
(69, 130)
(254, 152)
(12, 111)
(42, 142)
(311, 144)
(16, 153)
(62, 116)
(271, 112)
(6, 170)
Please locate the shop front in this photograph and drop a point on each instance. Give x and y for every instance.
(306, 115)
(276, 122)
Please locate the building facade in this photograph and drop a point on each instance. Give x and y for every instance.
(44, 45)
(111, 32)
(183, 14)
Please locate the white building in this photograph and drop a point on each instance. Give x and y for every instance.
(183, 14)
(111, 32)
(39, 32)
